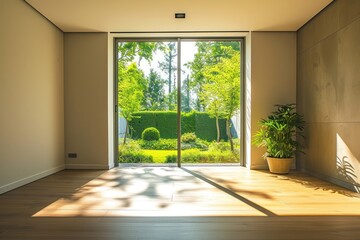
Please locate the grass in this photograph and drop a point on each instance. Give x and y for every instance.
(159, 156)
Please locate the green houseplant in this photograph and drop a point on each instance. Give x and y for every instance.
(278, 134)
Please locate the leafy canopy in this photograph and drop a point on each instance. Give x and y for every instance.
(130, 90)
(221, 95)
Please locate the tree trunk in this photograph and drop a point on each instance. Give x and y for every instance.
(217, 129)
(126, 130)
(228, 132)
(169, 80)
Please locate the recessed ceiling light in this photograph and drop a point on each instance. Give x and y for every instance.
(179, 15)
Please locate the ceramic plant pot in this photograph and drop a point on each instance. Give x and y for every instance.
(280, 165)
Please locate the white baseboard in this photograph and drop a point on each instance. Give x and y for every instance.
(32, 178)
(87, 166)
(112, 165)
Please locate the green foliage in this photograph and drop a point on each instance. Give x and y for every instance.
(159, 156)
(128, 50)
(185, 95)
(131, 85)
(132, 153)
(150, 134)
(219, 146)
(171, 158)
(169, 67)
(221, 95)
(278, 132)
(161, 144)
(208, 54)
(135, 157)
(166, 121)
(223, 146)
(188, 137)
(130, 91)
(198, 156)
(154, 93)
(188, 122)
(205, 127)
(171, 144)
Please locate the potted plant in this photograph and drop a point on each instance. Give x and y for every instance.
(278, 134)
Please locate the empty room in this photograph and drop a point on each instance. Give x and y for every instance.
(234, 119)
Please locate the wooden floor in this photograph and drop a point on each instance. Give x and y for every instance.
(179, 203)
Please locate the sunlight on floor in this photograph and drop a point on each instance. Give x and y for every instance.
(203, 191)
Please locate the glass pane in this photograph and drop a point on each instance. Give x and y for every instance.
(210, 102)
(147, 100)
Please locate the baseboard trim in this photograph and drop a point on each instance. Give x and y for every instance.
(27, 180)
(259, 167)
(339, 182)
(266, 167)
(87, 166)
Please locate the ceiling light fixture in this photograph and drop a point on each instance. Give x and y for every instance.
(179, 15)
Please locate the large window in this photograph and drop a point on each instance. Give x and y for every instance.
(179, 101)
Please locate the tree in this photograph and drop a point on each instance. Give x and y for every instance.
(154, 94)
(169, 67)
(185, 95)
(127, 51)
(208, 54)
(131, 86)
(213, 104)
(223, 84)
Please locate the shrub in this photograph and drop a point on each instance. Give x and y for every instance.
(171, 159)
(171, 144)
(201, 144)
(224, 146)
(219, 146)
(188, 137)
(132, 153)
(150, 134)
(197, 156)
(161, 144)
(135, 157)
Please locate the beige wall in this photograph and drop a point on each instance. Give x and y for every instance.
(89, 92)
(328, 92)
(86, 99)
(31, 96)
(273, 81)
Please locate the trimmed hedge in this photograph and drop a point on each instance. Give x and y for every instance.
(199, 123)
(205, 127)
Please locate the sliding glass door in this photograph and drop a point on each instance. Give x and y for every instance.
(179, 101)
(210, 101)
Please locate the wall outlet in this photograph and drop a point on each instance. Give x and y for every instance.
(72, 155)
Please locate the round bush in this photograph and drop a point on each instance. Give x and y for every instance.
(150, 134)
(188, 137)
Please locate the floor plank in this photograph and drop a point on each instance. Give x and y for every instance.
(175, 203)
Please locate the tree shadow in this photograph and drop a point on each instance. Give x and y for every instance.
(346, 172)
(316, 184)
(234, 192)
(121, 189)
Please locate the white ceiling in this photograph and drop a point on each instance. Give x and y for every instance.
(158, 15)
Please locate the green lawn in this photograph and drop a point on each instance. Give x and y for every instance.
(159, 156)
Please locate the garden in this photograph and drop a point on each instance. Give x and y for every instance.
(148, 89)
